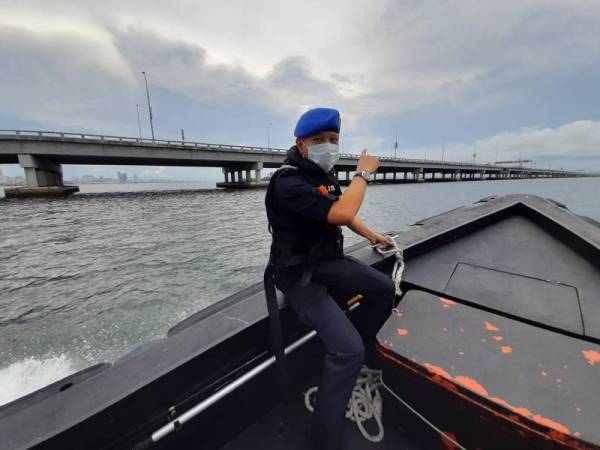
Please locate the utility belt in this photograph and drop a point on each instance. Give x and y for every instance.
(293, 258)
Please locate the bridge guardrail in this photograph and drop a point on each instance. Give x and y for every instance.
(97, 138)
(126, 140)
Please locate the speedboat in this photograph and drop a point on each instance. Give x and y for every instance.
(494, 344)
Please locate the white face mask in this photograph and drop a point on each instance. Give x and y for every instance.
(324, 155)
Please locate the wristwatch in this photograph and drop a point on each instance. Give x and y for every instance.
(364, 174)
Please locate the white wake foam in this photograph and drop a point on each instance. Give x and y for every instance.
(31, 374)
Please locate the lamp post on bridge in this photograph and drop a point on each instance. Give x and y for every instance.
(137, 107)
(443, 147)
(149, 107)
(269, 135)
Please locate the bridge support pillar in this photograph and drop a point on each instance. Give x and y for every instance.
(417, 174)
(240, 176)
(44, 178)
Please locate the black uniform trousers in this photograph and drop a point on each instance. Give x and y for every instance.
(319, 305)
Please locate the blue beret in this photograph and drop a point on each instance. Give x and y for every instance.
(316, 120)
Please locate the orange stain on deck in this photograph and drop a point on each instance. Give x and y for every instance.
(506, 349)
(447, 303)
(518, 409)
(402, 332)
(501, 402)
(592, 356)
(522, 410)
(497, 338)
(550, 424)
(558, 431)
(491, 327)
(437, 370)
(471, 384)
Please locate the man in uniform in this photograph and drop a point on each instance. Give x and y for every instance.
(306, 210)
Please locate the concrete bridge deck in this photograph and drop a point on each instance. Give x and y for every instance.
(42, 153)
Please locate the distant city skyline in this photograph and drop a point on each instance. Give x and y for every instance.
(505, 80)
(122, 177)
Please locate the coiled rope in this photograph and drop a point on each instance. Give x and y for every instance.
(365, 403)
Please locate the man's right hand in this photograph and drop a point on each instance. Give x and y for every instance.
(367, 162)
(344, 210)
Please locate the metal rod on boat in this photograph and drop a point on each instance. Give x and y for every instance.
(191, 413)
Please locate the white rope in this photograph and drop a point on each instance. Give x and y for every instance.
(365, 403)
(398, 269)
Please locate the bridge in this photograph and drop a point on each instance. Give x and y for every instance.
(42, 154)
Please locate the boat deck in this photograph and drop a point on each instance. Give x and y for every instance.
(265, 432)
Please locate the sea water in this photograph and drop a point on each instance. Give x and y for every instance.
(88, 278)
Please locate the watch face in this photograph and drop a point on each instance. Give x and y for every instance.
(366, 175)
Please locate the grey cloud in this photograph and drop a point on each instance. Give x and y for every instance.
(180, 67)
(431, 68)
(294, 73)
(56, 82)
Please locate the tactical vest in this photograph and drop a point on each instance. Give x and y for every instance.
(293, 253)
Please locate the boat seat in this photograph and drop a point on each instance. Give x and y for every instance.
(546, 379)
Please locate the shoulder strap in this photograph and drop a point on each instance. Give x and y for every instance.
(277, 345)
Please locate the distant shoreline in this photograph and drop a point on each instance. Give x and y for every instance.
(71, 182)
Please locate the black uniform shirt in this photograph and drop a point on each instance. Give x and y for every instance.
(300, 206)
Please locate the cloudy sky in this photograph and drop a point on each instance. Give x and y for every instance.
(503, 79)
